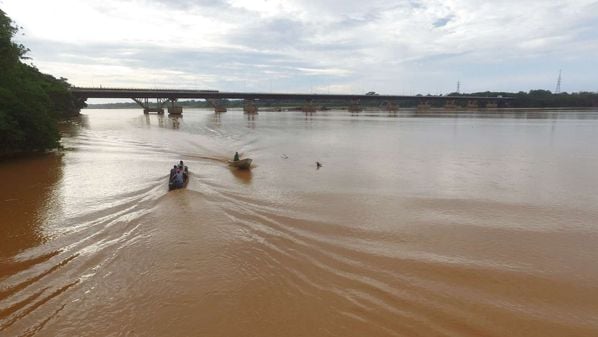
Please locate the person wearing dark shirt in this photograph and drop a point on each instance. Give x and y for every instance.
(172, 172)
(178, 179)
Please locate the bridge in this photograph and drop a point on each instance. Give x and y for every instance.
(168, 98)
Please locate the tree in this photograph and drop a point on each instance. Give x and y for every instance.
(30, 102)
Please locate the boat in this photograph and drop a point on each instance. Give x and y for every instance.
(173, 186)
(243, 164)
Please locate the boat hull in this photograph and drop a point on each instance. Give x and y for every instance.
(173, 186)
(241, 164)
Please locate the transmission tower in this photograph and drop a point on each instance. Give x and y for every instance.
(458, 86)
(557, 90)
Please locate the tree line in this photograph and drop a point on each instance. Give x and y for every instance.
(543, 98)
(31, 103)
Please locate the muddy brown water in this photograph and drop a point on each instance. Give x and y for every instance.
(435, 224)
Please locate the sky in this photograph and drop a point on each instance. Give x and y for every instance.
(314, 46)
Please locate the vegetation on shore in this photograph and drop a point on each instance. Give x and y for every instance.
(543, 99)
(31, 102)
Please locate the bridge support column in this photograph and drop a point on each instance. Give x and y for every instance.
(472, 104)
(423, 106)
(173, 109)
(147, 106)
(491, 105)
(217, 104)
(249, 106)
(450, 105)
(308, 106)
(354, 106)
(389, 106)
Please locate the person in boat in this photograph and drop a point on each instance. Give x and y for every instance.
(173, 172)
(178, 178)
(318, 164)
(236, 158)
(183, 169)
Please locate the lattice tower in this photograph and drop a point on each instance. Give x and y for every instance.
(557, 90)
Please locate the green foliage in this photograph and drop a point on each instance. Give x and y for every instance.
(30, 102)
(546, 99)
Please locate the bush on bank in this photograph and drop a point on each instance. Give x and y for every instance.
(31, 102)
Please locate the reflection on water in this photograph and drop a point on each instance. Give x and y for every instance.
(216, 120)
(432, 223)
(243, 176)
(170, 122)
(28, 200)
(251, 118)
(73, 126)
(579, 114)
(175, 121)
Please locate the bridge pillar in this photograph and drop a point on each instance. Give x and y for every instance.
(389, 106)
(308, 106)
(173, 109)
(217, 104)
(472, 104)
(147, 106)
(249, 106)
(491, 105)
(354, 106)
(423, 106)
(450, 105)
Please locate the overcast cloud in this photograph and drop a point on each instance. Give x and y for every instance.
(392, 47)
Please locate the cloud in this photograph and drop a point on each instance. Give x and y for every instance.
(270, 34)
(381, 45)
(186, 4)
(443, 21)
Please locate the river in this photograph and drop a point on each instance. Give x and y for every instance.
(417, 224)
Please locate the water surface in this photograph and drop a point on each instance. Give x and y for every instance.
(418, 224)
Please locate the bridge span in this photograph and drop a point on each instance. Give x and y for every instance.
(168, 98)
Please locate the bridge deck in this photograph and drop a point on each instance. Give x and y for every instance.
(213, 94)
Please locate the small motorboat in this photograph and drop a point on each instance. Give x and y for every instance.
(172, 184)
(242, 164)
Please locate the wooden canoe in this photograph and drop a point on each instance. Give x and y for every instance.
(173, 186)
(241, 164)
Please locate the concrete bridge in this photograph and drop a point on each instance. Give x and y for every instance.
(155, 100)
